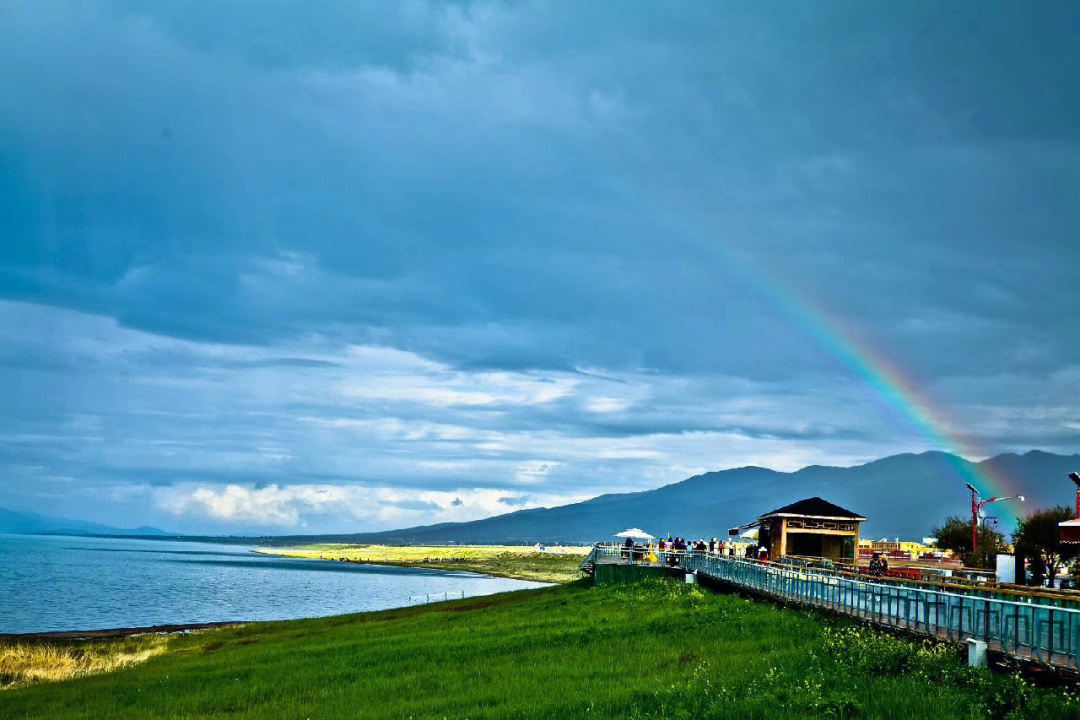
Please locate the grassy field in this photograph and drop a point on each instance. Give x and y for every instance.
(651, 650)
(24, 663)
(556, 564)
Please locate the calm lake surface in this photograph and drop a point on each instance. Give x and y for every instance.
(77, 583)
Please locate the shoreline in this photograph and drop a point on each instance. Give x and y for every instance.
(107, 633)
(505, 562)
(436, 566)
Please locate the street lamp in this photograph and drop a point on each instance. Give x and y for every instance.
(977, 506)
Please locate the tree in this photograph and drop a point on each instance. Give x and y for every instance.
(1038, 537)
(955, 534)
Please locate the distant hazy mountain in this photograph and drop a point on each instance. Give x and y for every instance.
(26, 523)
(902, 495)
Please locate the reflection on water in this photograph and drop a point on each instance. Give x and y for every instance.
(158, 551)
(65, 583)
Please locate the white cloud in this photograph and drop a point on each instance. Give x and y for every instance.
(404, 377)
(235, 436)
(607, 404)
(271, 505)
(534, 471)
(298, 506)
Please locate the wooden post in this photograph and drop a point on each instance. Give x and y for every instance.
(855, 559)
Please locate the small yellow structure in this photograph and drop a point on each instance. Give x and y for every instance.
(914, 550)
(811, 528)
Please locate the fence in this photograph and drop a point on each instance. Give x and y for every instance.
(1044, 633)
(436, 597)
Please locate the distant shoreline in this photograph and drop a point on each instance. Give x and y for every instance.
(120, 632)
(557, 565)
(284, 552)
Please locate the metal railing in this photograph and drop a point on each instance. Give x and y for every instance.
(1046, 634)
(1024, 628)
(436, 597)
(612, 552)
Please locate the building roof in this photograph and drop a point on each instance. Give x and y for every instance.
(814, 507)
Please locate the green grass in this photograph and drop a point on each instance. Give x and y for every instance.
(650, 650)
(522, 562)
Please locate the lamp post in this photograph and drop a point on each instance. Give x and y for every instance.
(977, 505)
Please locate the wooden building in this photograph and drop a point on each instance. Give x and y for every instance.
(811, 528)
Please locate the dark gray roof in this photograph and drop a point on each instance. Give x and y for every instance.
(814, 507)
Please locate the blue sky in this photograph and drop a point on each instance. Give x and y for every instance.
(284, 266)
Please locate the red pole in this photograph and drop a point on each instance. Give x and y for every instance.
(975, 523)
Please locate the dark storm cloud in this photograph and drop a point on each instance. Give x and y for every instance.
(576, 232)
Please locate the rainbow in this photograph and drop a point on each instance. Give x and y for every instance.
(897, 388)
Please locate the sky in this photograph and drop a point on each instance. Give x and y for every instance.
(341, 266)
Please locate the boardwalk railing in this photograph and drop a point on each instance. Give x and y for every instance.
(1044, 633)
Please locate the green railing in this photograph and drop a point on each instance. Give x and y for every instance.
(1047, 634)
(589, 561)
(1029, 628)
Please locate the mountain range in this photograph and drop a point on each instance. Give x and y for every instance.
(901, 496)
(28, 523)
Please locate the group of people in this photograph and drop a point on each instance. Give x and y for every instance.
(679, 544)
(756, 551)
(675, 545)
(672, 546)
(879, 565)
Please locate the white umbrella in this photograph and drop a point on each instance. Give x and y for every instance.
(751, 534)
(636, 533)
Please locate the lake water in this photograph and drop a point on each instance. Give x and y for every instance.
(77, 583)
